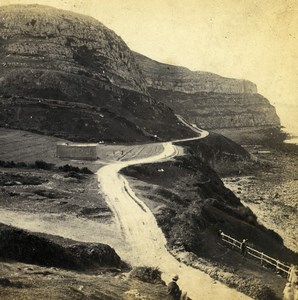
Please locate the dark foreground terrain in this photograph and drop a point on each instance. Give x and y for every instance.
(24, 281)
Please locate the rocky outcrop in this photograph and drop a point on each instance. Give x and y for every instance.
(206, 99)
(45, 39)
(36, 248)
(220, 110)
(180, 79)
(48, 54)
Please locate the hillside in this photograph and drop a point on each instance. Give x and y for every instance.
(191, 204)
(56, 63)
(206, 99)
(66, 77)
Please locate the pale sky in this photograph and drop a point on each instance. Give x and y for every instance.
(248, 39)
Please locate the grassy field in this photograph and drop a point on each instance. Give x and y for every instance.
(23, 146)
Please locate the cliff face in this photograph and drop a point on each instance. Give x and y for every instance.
(207, 99)
(45, 39)
(180, 79)
(49, 54)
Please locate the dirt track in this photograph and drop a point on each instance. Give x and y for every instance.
(135, 227)
(145, 240)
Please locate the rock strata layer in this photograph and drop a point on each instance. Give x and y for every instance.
(206, 99)
(48, 54)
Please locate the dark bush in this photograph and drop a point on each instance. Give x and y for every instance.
(7, 164)
(68, 168)
(86, 171)
(40, 164)
(147, 274)
(73, 174)
(21, 165)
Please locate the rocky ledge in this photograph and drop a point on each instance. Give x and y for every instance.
(207, 99)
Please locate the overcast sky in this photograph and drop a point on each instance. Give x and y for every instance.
(248, 39)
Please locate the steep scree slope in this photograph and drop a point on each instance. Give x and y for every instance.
(46, 53)
(207, 99)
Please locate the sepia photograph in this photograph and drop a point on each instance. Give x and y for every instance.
(148, 149)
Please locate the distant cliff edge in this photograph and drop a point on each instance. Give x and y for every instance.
(206, 99)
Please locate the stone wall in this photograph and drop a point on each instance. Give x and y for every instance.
(77, 151)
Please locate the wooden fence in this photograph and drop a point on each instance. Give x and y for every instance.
(263, 258)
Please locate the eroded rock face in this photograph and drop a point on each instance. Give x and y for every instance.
(180, 79)
(47, 55)
(47, 39)
(220, 110)
(207, 99)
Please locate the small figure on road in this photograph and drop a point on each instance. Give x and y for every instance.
(173, 288)
(243, 247)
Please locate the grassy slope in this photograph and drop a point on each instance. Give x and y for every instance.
(27, 282)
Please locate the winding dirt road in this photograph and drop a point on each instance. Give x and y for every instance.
(145, 243)
(136, 236)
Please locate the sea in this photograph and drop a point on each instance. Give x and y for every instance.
(292, 136)
(289, 120)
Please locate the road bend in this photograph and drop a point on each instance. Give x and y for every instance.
(147, 243)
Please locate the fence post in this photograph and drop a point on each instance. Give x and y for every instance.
(279, 266)
(262, 255)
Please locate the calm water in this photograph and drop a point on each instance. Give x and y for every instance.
(288, 114)
(293, 139)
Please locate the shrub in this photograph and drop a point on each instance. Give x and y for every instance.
(147, 274)
(7, 164)
(86, 171)
(73, 174)
(68, 168)
(40, 164)
(21, 165)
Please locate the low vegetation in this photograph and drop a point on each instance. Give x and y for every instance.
(40, 164)
(147, 274)
(191, 205)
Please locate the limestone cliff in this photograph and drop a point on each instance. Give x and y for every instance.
(207, 99)
(46, 39)
(48, 54)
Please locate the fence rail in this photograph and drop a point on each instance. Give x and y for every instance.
(257, 254)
